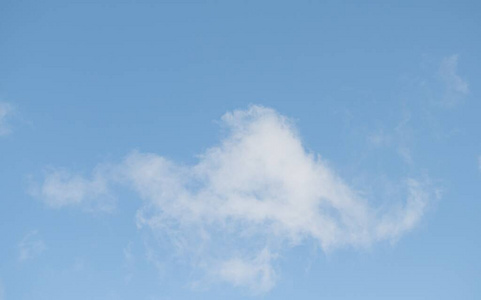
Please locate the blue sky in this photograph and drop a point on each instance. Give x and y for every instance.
(265, 150)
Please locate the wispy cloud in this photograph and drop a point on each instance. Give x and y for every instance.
(5, 111)
(379, 138)
(256, 273)
(30, 246)
(2, 291)
(455, 86)
(399, 138)
(254, 195)
(129, 261)
(61, 189)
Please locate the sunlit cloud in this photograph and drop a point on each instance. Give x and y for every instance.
(254, 195)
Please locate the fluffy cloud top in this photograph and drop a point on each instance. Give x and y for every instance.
(256, 193)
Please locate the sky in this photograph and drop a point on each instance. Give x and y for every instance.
(240, 149)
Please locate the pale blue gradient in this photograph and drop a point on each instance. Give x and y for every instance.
(91, 81)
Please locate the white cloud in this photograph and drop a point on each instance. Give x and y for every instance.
(456, 87)
(257, 273)
(5, 110)
(62, 188)
(30, 246)
(256, 193)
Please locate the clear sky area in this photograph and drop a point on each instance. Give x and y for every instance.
(240, 149)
